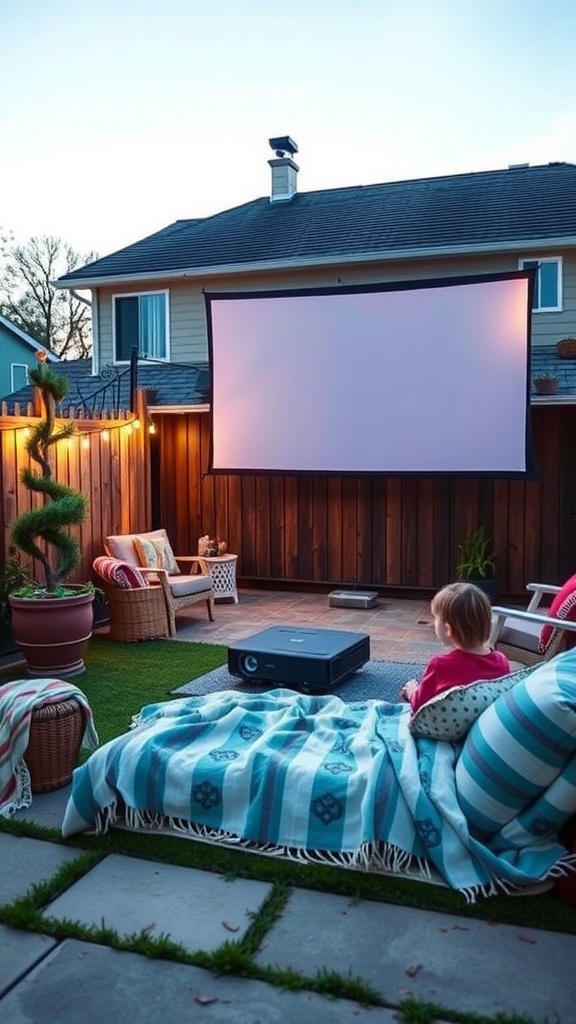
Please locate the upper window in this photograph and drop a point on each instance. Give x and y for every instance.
(141, 321)
(548, 285)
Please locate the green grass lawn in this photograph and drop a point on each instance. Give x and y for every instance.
(121, 678)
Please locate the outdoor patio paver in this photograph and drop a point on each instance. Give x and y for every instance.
(198, 909)
(19, 952)
(80, 982)
(464, 965)
(30, 861)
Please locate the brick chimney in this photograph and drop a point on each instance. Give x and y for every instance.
(284, 170)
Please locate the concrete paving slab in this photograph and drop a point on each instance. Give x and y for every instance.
(30, 861)
(198, 909)
(46, 808)
(80, 983)
(461, 964)
(19, 952)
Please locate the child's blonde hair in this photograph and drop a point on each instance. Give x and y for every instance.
(468, 612)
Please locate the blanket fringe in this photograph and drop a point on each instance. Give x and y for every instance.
(379, 857)
(22, 793)
(384, 857)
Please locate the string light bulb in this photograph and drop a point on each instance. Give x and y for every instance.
(152, 428)
(136, 424)
(85, 441)
(105, 435)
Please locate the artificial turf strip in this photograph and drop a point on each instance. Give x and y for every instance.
(121, 678)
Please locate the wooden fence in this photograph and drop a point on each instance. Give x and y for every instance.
(395, 533)
(107, 459)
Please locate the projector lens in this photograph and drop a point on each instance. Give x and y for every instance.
(249, 664)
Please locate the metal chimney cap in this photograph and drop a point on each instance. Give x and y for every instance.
(283, 144)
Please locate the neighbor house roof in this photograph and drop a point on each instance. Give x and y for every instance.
(522, 207)
(171, 385)
(22, 336)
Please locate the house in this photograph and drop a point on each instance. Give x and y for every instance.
(17, 356)
(392, 533)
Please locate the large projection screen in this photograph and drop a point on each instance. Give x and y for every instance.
(416, 377)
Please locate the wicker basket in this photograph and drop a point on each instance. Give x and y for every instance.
(137, 614)
(54, 744)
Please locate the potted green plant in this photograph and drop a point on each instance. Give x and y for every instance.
(52, 620)
(546, 383)
(476, 562)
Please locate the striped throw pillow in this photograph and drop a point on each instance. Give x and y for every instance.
(119, 573)
(523, 742)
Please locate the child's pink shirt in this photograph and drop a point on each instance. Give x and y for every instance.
(457, 668)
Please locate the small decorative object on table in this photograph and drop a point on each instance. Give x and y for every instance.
(211, 546)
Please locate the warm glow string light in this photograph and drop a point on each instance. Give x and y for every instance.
(129, 426)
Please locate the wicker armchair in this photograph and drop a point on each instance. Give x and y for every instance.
(178, 589)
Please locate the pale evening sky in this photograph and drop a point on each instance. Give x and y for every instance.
(118, 117)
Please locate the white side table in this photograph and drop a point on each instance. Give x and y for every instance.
(222, 569)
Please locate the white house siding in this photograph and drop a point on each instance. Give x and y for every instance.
(188, 333)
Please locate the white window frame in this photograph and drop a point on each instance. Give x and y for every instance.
(559, 293)
(19, 366)
(132, 295)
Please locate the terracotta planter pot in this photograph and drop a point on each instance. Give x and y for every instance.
(546, 386)
(53, 632)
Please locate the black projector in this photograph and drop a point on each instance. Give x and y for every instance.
(309, 660)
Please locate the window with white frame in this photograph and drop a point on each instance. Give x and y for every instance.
(141, 322)
(18, 376)
(548, 284)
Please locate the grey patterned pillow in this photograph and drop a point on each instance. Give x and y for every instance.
(449, 716)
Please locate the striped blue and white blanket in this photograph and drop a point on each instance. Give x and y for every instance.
(308, 777)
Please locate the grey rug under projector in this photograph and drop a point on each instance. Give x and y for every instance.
(377, 680)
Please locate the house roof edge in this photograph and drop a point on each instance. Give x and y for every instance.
(380, 256)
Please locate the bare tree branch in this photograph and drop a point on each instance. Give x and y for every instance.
(56, 319)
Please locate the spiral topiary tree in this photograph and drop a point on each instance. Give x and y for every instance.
(63, 506)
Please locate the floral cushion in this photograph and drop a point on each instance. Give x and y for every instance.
(563, 607)
(119, 573)
(450, 715)
(155, 553)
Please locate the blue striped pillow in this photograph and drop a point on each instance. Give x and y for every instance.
(518, 746)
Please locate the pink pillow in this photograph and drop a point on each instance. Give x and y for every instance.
(119, 573)
(563, 607)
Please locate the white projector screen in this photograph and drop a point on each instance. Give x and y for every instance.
(417, 377)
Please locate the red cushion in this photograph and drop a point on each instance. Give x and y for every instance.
(563, 607)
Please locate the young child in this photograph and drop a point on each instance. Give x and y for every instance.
(462, 620)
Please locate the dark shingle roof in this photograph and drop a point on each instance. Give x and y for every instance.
(171, 384)
(481, 209)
